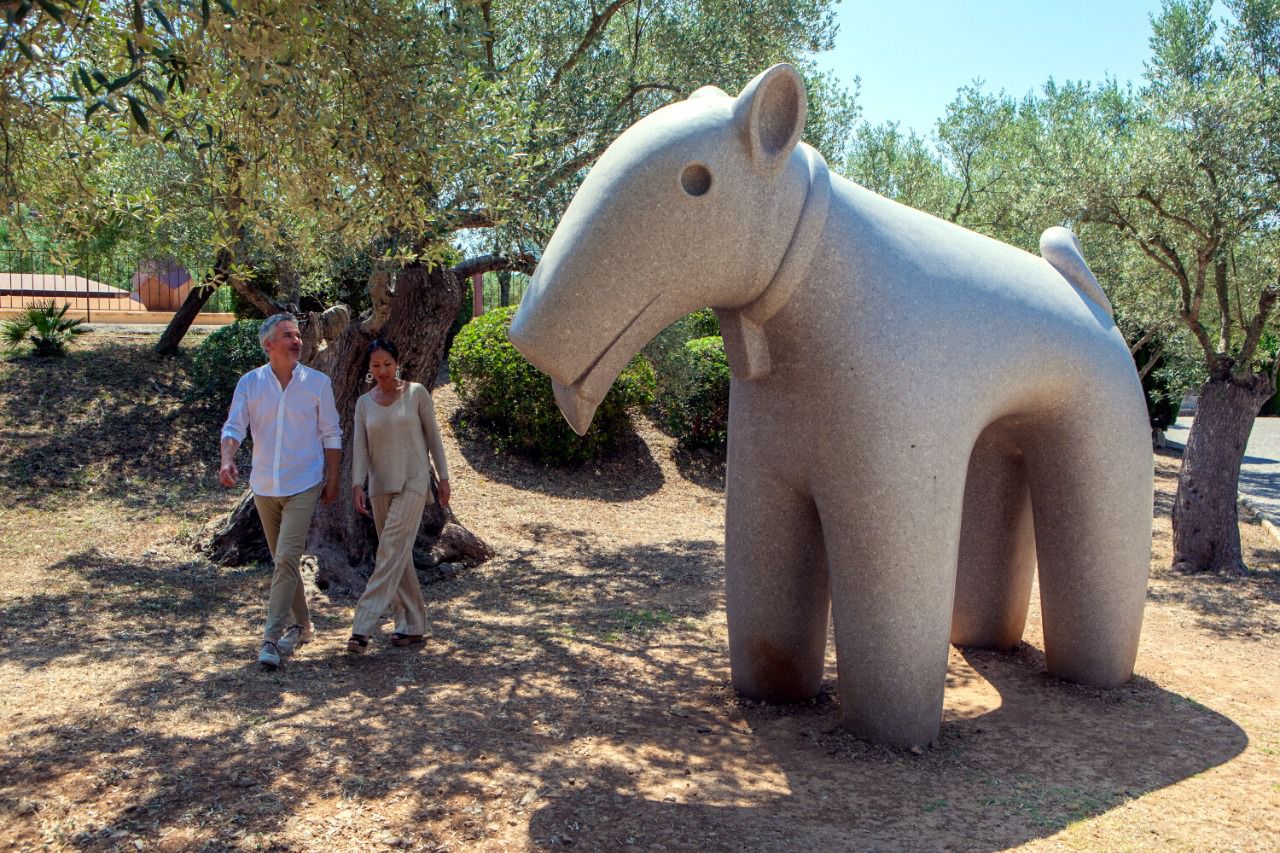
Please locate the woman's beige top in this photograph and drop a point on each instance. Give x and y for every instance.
(391, 442)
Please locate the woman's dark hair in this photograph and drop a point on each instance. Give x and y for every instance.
(386, 346)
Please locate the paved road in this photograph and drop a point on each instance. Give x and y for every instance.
(1260, 472)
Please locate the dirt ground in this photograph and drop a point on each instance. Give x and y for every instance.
(573, 692)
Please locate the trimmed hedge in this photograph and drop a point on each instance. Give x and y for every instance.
(223, 357)
(694, 398)
(512, 401)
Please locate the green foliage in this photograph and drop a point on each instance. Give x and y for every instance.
(1268, 352)
(245, 127)
(1160, 386)
(512, 402)
(1165, 364)
(223, 357)
(693, 399)
(704, 323)
(693, 384)
(899, 166)
(668, 345)
(462, 318)
(45, 325)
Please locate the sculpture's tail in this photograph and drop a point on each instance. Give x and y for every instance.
(1061, 249)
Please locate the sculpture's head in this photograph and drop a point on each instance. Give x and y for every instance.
(692, 206)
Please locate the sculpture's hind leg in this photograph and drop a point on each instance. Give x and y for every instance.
(997, 546)
(1091, 490)
(775, 587)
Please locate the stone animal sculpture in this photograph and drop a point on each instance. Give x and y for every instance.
(918, 414)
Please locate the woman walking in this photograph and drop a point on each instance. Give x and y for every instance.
(395, 428)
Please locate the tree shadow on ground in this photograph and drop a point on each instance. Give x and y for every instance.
(1163, 505)
(133, 438)
(701, 466)
(1261, 485)
(1223, 602)
(110, 607)
(629, 473)
(203, 747)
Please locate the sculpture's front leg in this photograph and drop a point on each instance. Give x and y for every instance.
(891, 540)
(775, 585)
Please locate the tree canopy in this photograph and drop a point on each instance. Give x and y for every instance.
(399, 124)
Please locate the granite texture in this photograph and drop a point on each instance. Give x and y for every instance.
(919, 415)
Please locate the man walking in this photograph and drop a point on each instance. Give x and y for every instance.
(297, 453)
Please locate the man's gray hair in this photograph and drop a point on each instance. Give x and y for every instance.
(269, 325)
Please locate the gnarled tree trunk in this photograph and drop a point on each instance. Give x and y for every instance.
(1206, 533)
(416, 316)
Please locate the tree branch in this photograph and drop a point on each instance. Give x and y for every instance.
(568, 168)
(1224, 302)
(486, 11)
(472, 219)
(480, 264)
(1142, 341)
(257, 298)
(1151, 362)
(599, 21)
(1145, 195)
(1253, 334)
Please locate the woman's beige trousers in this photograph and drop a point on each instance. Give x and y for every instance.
(394, 583)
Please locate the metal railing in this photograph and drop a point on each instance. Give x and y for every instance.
(111, 285)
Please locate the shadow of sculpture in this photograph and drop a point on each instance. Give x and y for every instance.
(1039, 756)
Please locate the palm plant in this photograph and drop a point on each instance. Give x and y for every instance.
(47, 327)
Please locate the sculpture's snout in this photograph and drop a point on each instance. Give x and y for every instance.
(546, 344)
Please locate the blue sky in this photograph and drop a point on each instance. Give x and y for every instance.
(912, 55)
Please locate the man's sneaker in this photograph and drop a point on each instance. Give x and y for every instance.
(294, 636)
(270, 654)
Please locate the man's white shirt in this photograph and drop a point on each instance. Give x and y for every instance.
(292, 427)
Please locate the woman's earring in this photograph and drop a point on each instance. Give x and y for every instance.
(368, 377)
(397, 373)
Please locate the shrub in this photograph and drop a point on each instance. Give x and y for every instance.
(668, 345)
(512, 401)
(45, 325)
(223, 357)
(693, 400)
(703, 323)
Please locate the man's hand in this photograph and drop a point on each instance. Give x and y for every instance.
(333, 476)
(330, 493)
(442, 487)
(228, 473)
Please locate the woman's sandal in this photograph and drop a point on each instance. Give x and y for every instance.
(358, 644)
(398, 639)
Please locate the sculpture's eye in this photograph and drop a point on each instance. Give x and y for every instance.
(695, 179)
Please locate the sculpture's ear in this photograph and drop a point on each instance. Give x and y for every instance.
(770, 113)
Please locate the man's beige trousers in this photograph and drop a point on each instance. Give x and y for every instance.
(394, 583)
(286, 521)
